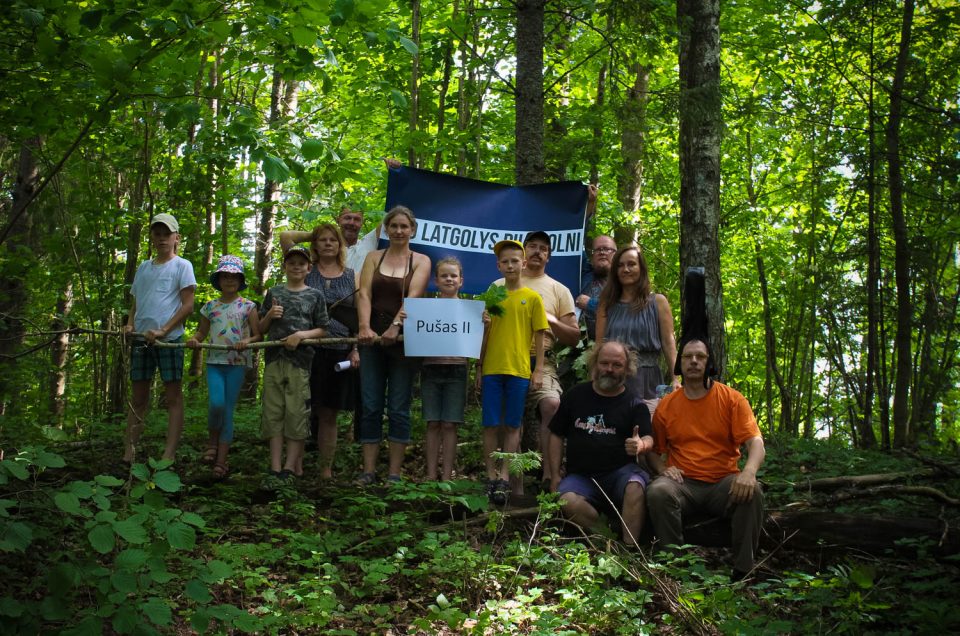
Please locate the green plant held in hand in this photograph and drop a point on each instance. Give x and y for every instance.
(493, 299)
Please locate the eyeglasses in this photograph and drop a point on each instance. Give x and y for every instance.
(695, 356)
(604, 250)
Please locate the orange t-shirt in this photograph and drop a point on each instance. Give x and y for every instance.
(703, 437)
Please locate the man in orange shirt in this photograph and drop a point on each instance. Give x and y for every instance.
(701, 429)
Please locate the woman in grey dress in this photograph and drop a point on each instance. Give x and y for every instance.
(631, 313)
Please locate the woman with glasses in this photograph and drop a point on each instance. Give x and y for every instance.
(631, 313)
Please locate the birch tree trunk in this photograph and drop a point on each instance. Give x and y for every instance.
(633, 121)
(699, 22)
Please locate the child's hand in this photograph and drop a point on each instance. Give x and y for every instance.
(152, 335)
(292, 341)
(276, 311)
(192, 343)
(486, 318)
(402, 315)
(240, 346)
(536, 379)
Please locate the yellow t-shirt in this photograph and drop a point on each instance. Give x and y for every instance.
(557, 300)
(508, 343)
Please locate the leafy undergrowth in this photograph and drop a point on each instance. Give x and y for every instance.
(166, 549)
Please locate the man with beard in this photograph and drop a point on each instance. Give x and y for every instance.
(701, 429)
(558, 303)
(606, 427)
(601, 253)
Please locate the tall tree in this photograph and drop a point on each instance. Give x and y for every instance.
(528, 138)
(700, 124)
(902, 340)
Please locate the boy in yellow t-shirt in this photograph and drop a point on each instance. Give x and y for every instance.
(505, 365)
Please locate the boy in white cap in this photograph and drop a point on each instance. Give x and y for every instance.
(163, 290)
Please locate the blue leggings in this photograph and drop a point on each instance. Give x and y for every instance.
(224, 382)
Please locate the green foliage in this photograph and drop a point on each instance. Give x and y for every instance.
(113, 554)
(493, 299)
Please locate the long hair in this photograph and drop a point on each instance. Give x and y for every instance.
(335, 230)
(598, 347)
(613, 289)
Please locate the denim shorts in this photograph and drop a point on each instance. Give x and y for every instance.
(613, 483)
(504, 397)
(443, 391)
(146, 359)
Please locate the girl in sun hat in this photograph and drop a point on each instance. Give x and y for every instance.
(229, 320)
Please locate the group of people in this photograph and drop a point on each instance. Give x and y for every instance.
(632, 442)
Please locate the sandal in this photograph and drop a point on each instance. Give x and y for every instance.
(221, 470)
(209, 456)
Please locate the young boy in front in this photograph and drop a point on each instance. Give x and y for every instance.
(505, 366)
(163, 290)
(290, 313)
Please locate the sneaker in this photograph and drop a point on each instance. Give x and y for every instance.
(497, 491)
(365, 479)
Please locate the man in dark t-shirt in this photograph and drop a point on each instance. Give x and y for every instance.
(606, 428)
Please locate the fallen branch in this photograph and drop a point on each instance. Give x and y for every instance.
(895, 489)
(855, 481)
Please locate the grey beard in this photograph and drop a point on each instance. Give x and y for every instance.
(608, 383)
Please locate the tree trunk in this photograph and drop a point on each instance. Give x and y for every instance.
(58, 354)
(444, 89)
(700, 123)
(13, 266)
(633, 122)
(868, 438)
(412, 125)
(902, 341)
(528, 140)
(283, 103)
(770, 342)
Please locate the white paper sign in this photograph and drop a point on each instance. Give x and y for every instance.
(442, 327)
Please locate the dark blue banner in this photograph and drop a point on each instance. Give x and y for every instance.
(465, 218)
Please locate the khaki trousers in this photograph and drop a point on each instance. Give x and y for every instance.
(669, 500)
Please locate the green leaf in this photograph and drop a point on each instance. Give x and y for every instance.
(157, 611)
(90, 626)
(124, 581)
(54, 434)
(198, 591)
(108, 481)
(181, 536)
(410, 45)
(140, 471)
(91, 19)
(275, 169)
(302, 36)
(399, 99)
(16, 537)
(125, 620)
(10, 607)
(493, 299)
(49, 460)
(167, 481)
(102, 538)
(4, 505)
(69, 503)
(131, 559)
(193, 519)
(312, 149)
(160, 575)
(81, 489)
(17, 469)
(131, 530)
(218, 571)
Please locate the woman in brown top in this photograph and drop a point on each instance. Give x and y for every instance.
(386, 375)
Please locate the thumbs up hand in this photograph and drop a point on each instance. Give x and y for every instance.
(636, 444)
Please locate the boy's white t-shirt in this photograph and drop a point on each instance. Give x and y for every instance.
(157, 290)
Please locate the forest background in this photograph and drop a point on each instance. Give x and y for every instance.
(831, 203)
(805, 152)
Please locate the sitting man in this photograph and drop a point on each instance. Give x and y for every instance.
(606, 427)
(701, 429)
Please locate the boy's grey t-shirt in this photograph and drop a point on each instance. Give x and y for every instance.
(157, 290)
(302, 310)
